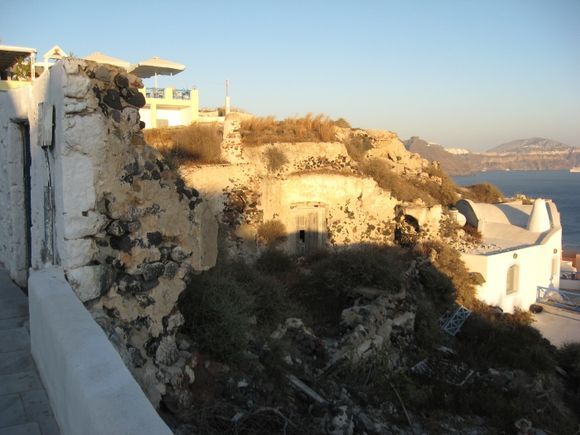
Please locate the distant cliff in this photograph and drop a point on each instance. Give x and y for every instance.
(533, 154)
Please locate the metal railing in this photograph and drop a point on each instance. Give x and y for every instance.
(181, 94)
(559, 298)
(155, 93)
(161, 93)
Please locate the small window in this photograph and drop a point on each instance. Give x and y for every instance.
(512, 281)
(302, 235)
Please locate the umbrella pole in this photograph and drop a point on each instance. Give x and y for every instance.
(155, 80)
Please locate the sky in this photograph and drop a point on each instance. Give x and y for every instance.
(463, 73)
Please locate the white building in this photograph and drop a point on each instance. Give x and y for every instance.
(521, 250)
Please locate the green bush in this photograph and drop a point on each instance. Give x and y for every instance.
(327, 289)
(568, 358)
(217, 309)
(496, 340)
(275, 262)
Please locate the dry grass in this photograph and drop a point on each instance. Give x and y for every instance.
(258, 131)
(200, 143)
(400, 187)
(272, 232)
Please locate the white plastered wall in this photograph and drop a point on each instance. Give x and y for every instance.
(13, 109)
(535, 268)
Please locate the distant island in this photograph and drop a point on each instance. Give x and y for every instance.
(532, 154)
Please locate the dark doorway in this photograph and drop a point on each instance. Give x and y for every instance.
(26, 164)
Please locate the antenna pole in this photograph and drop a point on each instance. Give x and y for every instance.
(227, 107)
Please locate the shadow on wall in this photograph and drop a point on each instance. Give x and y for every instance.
(514, 215)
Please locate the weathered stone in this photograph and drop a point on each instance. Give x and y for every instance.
(152, 271)
(135, 98)
(104, 74)
(171, 268)
(117, 228)
(77, 86)
(113, 99)
(178, 254)
(144, 300)
(133, 226)
(173, 322)
(87, 281)
(128, 284)
(167, 352)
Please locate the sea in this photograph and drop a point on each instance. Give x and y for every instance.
(562, 187)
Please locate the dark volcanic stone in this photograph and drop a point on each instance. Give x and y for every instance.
(113, 99)
(122, 243)
(116, 115)
(171, 268)
(155, 238)
(141, 125)
(155, 175)
(135, 98)
(129, 284)
(121, 81)
(152, 271)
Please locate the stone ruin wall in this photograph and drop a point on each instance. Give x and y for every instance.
(247, 192)
(125, 228)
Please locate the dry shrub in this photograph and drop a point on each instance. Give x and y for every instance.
(261, 130)
(200, 143)
(342, 123)
(272, 232)
(399, 187)
(357, 146)
(275, 159)
(444, 193)
(450, 275)
(484, 192)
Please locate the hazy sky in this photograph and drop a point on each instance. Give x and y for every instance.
(464, 73)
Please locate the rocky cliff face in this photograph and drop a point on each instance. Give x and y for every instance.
(535, 154)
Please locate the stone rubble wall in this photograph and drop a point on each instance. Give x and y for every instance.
(106, 209)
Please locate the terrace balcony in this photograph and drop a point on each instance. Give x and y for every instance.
(167, 107)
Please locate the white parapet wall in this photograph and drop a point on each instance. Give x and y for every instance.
(91, 391)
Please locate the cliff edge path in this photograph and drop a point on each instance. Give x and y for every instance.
(24, 405)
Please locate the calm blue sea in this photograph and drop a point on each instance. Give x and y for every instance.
(561, 186)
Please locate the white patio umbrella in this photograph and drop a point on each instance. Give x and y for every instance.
(99, 57)
(155, 66)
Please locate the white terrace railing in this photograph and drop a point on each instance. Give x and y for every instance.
(559, 298)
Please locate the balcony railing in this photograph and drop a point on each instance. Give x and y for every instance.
(155, 93)
(162, 93)
(181, 94)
